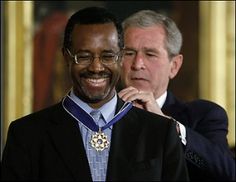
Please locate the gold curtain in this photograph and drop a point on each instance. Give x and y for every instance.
(17, 88)
(217, 57)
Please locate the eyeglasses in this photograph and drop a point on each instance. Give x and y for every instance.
(86, 58)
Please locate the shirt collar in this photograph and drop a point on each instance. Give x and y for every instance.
(107, 110)
(161, 100)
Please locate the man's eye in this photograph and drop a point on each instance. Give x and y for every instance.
(108, 57)
(83, 56)
(151, 55)
(129, 53)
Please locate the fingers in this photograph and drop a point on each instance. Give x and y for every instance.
(138, 105)
(128, 93)
(142, 99)
(126, 90)
(132, 94)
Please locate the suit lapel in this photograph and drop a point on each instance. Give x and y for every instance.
(68, 141)
(124, 136)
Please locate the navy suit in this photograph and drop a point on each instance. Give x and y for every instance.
(207, 152)
(47, 145)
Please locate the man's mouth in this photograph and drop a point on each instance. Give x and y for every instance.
(96, 81)
(138, 79)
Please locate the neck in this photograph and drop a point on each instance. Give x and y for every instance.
(158, 94)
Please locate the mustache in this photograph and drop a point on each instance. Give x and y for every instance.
(102, 74)
(139, 75)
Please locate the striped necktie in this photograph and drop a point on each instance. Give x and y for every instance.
(97, 159)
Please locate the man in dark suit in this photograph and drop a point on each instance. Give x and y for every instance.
(151, 58)
(92, 134)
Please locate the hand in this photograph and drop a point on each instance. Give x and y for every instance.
(141, 99)
(144, 100)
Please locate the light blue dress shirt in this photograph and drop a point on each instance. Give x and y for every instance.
(97, 159)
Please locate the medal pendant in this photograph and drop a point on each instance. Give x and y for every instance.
(99, 141)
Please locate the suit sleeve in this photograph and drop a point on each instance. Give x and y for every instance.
(175, 164)
(207, 146)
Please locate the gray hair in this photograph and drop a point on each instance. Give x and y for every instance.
(147, 18)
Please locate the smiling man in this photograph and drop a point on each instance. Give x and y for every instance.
(96, 56)
(92, 134)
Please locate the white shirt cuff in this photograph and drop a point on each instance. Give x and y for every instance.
(182, 133)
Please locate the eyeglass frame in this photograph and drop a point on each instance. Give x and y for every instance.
(118, 55)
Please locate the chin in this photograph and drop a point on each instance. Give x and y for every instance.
(139, 86)
(92, 98)
(96, 97)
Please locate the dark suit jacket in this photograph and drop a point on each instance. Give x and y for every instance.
(207, 152)
(47, 145)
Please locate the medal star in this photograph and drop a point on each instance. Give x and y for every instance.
(99, 141)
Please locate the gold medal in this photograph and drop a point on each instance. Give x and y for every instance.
(99, 141)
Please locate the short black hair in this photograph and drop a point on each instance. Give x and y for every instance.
(92, 15)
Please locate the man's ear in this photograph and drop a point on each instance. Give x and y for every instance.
(176, 63)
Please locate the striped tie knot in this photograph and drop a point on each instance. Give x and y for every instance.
(97, 116)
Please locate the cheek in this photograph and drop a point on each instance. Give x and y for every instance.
(125, 67)
(74, 72)
(160, 74)
(124, 72)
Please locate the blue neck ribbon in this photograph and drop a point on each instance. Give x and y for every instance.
(79, 114)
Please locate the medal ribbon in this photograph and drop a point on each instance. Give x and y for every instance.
(79, 114)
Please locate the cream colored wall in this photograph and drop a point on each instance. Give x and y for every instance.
(217, 57)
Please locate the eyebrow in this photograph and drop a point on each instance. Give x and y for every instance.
(88, 51)
(145, 49)
(151, 50)
(83, 50)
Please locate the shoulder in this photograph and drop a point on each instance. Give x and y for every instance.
(194, 110)
(150, 119)
(206, 106)
(202, 104)
(152, 127)
(29, 131)
(36, 119)
(206, 103)
(197, 105)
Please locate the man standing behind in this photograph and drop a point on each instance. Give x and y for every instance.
(92, 134)
(151, 58)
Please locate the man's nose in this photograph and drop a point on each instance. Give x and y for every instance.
(96, 65)
(139, 61)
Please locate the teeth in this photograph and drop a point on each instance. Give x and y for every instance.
(96, 81)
